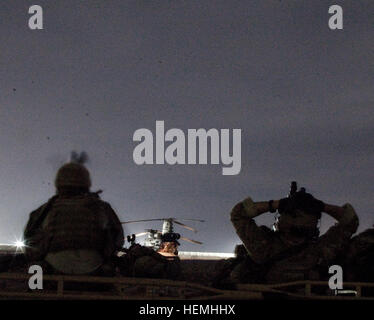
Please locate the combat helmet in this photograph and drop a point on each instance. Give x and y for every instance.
(299, 215)
(74, 173)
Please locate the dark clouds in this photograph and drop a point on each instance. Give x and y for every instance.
(302, 94)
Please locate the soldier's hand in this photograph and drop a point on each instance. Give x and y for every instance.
(306, 202)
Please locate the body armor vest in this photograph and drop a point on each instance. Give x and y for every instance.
(75, 223)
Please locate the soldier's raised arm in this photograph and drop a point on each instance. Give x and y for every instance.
(345, 215)
(249, 209)
(258, 240)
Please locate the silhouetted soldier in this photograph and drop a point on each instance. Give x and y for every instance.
(74, 232)
(293, 250)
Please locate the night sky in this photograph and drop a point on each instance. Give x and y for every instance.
(99, 70)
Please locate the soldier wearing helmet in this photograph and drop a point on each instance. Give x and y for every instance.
(293, 249)
(75, 232)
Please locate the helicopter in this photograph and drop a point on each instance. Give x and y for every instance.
(165, 241)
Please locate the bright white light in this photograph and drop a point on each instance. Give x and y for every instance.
(205, 255)
(19, 244)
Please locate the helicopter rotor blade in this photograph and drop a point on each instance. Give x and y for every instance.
(198, 220)
(184, 226)
(162, 219)
(132, 221)
(141, 234)
(190, 240)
